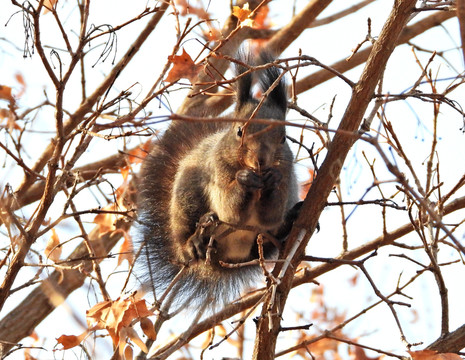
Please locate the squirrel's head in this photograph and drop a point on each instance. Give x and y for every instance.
(260, 142)
(259, 146)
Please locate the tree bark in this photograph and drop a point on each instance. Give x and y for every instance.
(451, 342)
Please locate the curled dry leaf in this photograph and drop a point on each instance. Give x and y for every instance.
(183, 67)
(116, 315)
(305, 186)
(128, 352)
(185, 8)
(243, 14)
(53, 248)
(126, 250)
(20, 79)
(4, 113)
(107, 221)
(5, 93)
(359, 354)
(49, 5)
(147, 327)
(28, 356)
(70, 341)
(34, 336)
(10, 119)
(136, 156)
(261, 18)
(130, 333)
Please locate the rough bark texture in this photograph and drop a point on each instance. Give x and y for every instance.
(451, 342)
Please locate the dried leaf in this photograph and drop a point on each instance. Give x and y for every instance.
(28, 356)
(136, 156)
(359, 354)
(34, 336)
(185, 8)
(70, 341)
(115, 315)
(107, 221)
(95, 311)
(53, 248)
(242, 14)
(10, 119)
(125, 172)
(20, 79)
(128, 352)
(261, 18)
(305, 186)
(132, 335)
(5, 93)
(354, 279)
(126, 250)
(183, 67)
(4, 113)
(147, 327)
(121, 345)
(49, 5)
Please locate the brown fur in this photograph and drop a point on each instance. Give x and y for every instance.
(226, 177)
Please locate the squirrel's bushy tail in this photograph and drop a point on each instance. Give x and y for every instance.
(190, 289)
(276, 99)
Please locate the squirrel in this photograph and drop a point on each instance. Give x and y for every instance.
(207, 190)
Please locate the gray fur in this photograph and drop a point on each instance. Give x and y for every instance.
(201, 168)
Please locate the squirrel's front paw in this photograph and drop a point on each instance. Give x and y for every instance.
(249, 179)
(272, 178)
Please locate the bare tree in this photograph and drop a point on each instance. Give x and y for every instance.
(380, 132)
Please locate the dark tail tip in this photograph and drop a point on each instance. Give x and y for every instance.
(244, 83)
(278, 96)
(266, 77)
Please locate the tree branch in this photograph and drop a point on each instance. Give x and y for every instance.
(91, 100)
(360, 57)
(53, 291)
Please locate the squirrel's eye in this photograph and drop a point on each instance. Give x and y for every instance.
(283, 140)
(239, 131)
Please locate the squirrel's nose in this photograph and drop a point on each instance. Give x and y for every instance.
(263, 162)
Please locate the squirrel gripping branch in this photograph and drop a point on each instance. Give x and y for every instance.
(207, 190)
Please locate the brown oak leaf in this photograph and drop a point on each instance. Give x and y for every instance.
(183, 67)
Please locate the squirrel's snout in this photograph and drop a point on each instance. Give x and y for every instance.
(263, 164)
